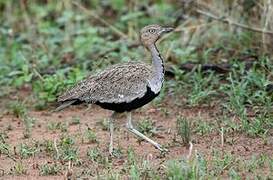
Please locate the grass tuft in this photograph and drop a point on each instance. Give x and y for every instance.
(183, 129)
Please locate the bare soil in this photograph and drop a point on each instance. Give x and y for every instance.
(241, 146)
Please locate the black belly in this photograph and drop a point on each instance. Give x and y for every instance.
(136, 103)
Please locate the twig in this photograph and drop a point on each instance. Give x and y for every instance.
(56, 148)
(69, 172)
(190, 150)
(2, 172)
(267, 10)
(181, 28)
(229, 21)
(117, 31)
(222, 141)
(222, 137)
(188, 28)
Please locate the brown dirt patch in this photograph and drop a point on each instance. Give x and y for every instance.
(241, 146)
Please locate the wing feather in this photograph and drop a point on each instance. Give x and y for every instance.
(117, 84)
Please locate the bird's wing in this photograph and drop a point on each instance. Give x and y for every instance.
(117, 84)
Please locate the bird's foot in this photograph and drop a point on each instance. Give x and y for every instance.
(162, 149)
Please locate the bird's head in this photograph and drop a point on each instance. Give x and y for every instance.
(151, 33)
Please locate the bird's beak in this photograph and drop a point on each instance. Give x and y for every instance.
(167, 30)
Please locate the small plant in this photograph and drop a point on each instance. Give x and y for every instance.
(4, 147)
(75, 120)
(202, 87)
(53, 126)
(233, 174)
(50, 169)
(94, 154)
(47, 89)
(131, 156)
(183, 129)
(113, 176)
(132, 164)
(270, 161)
(104, 123)
(146, 127)
(174, 170)
(17, 108)
(203, 127)
(29, 123)
(221, 163)
(185, 169)
(139, 169)
(26, 151)
(22, 75)
(90, 136)
(118, 152)
(259, 126)
(67, 150)
(165, 111)
(64, 127)
(48, 146)
(237, 91)
(134, 172)
(144, 171)
(18, 169)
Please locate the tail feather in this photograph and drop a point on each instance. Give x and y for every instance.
(64, 105)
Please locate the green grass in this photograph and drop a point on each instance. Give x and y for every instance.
(17, 108)
(29, 123)
(200, 168)
(146, 127)
(67, 150)
(90, 136)
(49, 169)
(18, 169)
(26, 151)
(75, 120)
(4, 146)
(48, 46)
(53, 126)
(184, 129)
(48, 147)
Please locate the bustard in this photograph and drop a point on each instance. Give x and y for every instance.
(123, 87)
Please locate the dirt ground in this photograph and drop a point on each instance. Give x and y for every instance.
(241, 146)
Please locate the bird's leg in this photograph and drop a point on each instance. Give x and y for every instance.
(137, 133)
(111, 128)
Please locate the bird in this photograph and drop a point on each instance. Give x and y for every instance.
(123, 87)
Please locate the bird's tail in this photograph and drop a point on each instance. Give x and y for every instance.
(64, 105)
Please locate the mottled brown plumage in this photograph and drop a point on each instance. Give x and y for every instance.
(123, 87)
(117, 84)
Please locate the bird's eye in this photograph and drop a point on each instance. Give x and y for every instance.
(152, 31)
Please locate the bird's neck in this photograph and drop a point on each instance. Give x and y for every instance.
(157, 78)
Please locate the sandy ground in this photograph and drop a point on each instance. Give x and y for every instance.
(234, 143)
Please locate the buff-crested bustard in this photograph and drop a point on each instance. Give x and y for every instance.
(124, 87)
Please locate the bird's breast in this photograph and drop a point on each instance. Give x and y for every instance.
(155, 85)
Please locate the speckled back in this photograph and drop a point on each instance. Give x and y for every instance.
(116, 84)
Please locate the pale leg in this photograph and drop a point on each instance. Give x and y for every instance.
(111, 128)
(137, 133)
